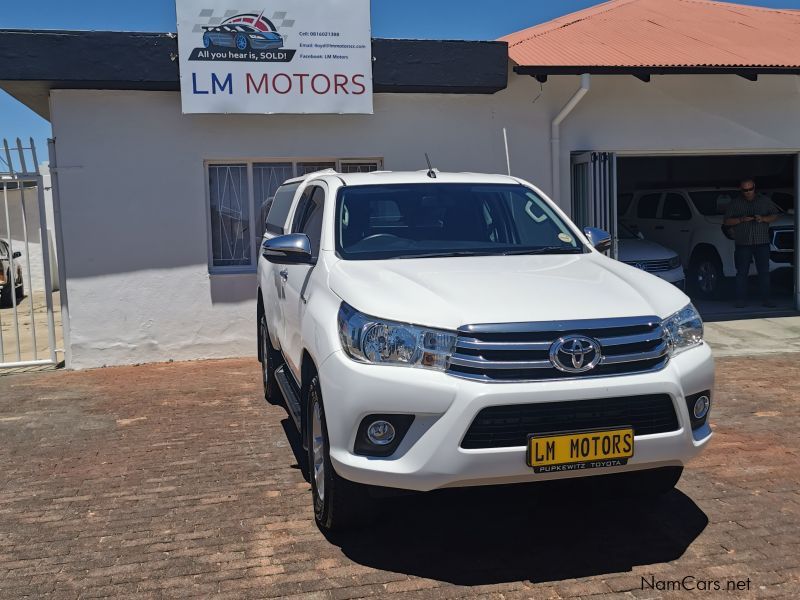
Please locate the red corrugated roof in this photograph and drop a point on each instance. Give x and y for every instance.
(663, 33)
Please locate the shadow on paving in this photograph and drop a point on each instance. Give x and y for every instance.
(537, 532)
(512, 533)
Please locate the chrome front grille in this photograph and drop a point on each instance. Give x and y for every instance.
(783, 239)
(522, 351)
(651, 266)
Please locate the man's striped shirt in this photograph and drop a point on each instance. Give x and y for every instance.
(751, 233)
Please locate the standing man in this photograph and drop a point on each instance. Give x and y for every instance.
(750, 215)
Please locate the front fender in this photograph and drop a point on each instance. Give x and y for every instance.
(319, 327)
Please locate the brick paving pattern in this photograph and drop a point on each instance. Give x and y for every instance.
(177, 480)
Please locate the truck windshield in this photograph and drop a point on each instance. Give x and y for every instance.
(447, 219)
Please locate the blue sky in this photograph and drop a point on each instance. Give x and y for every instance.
(443, 19)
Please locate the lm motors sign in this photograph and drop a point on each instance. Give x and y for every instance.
(283, 56)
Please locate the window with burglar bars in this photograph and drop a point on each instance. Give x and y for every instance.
(230, 215)
(240, 195)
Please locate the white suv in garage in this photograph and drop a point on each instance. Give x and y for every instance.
(430, 330)
(689, 221)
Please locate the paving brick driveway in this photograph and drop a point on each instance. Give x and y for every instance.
(176, 480)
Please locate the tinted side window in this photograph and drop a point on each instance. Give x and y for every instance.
(311, 222)
(281, 203)
(675, 208)
(648, 206)
(784, 201)
(712, 202)
(3, 250)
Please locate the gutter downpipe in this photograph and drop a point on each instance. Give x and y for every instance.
(555, 135)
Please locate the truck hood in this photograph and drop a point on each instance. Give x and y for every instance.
(638, 250)
(447, 293)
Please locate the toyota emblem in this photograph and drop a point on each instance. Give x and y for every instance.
(575, 354)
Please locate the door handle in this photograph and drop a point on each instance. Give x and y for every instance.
(284, 274)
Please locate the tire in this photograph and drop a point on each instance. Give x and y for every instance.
(5, 292)
(241, 42)
(270, 360)
(207, 42)
(705, 275)
(339, 504)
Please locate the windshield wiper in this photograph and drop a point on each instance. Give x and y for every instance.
(448, 254)
(545, 250)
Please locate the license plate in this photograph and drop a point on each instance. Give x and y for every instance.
(556, 452)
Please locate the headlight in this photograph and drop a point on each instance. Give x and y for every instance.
(684, 329)
(371, 340)
(674, 262)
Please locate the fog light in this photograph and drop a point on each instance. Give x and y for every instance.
(380, 433)
(701, 406)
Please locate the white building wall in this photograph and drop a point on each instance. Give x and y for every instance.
(134, 212)
(132, 182)
(682, 114)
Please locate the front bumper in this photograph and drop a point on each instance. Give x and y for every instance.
(675, 276)
(430, 457)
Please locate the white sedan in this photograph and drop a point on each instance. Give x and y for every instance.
(648, 256)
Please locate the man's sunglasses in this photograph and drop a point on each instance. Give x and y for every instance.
(746, 190)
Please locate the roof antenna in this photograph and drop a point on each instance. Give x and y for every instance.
(431, 172)
(508, 156)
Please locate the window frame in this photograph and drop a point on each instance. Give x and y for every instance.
(255, 244)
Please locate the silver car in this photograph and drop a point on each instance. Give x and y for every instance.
(648, 256)
(9, 265)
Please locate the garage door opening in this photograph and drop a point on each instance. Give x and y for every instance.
(670, 212)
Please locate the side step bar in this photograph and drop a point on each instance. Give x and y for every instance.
(291, 393)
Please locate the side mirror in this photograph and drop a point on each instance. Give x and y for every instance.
(290, 249)
(16, 255)
(600, 239)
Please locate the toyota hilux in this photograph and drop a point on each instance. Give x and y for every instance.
(430, 330)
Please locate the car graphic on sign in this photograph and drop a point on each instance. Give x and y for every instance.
(242, 37)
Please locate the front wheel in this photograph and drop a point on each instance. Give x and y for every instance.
(5, 292)
(706, 276)
(241, 41)
(338, 503)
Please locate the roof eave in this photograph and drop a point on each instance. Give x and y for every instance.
(40, 61)
(544, 70)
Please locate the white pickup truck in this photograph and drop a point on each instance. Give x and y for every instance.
(431, 330)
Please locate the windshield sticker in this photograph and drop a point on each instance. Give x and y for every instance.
(533, 216)
(565, 237)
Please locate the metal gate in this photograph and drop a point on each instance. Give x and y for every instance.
(594, 192)
(28, 334)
